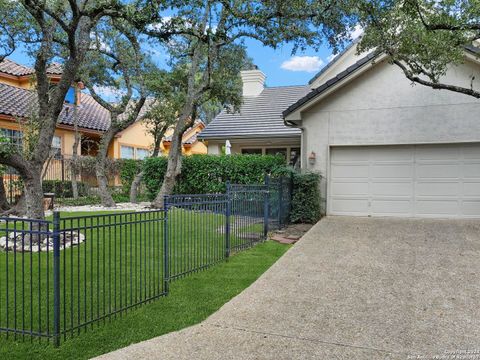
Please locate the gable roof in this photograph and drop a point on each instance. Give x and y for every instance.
(330, 83)
(17, 102)
(259, 116)
(334, 60)
(189, 137)
(346, 73)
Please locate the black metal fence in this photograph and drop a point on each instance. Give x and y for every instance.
(60, 277)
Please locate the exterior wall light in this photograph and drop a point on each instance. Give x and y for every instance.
(312, 158)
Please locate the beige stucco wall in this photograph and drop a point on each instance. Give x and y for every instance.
(382, 107)
(135, 135)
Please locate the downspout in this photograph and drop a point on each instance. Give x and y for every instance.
(302, 152)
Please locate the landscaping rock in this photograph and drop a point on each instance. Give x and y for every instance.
(31, 243)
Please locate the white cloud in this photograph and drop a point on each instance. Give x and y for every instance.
(303, 63)
(356, 32)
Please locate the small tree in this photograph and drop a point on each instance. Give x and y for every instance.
(122, 70)
(423, 37)
(208, 52)
(161, 115)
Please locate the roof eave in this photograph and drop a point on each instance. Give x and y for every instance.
(248, 136)
(293, 113)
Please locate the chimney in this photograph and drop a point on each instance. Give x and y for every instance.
(253, 82)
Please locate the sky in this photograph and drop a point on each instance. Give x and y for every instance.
(280, 66)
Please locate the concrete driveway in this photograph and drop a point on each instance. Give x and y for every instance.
(352, 288)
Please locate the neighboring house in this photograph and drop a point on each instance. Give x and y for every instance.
(190, 143)
(258, 127)
(17, 96)
(386, 147)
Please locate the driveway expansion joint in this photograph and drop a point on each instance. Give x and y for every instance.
(319, 341)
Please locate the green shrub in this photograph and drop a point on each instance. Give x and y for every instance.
(63, 189)
(306, 198)
(203, 174)
(128, 169)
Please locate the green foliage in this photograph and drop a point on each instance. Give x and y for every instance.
(63, 189)
(128, 169)
(203, 174)
(423, 37)
(306, 198)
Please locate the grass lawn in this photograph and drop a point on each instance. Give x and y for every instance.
(191, 300)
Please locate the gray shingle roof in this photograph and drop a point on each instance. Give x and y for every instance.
(19, 102)
(328, 84)
(259, 116)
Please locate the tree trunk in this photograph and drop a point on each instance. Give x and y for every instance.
(100, 167)
(3, 196)
(34, 193)
(105, 196)
(174, 166)
(74, 165)
(134, 187)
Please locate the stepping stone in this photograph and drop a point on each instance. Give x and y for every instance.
(294, 237)
(283, 240)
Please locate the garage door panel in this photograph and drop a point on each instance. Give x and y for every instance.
(388, 188)
(351, 206)
(437, 189)
(350, 171)
(471, 208)
(471, 189)
(350, 154)
(437, 207)
(350, 188)
(472, 170)
(436, 152)
(396, 171)
(471, 152)
(437, 171)
(421, 180)
(391, 207)
(393, 153)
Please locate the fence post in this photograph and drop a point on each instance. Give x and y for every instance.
(63, 168)
(227, 221)
(56, 277)
(280, 203)
(166, 267)
(266, 208)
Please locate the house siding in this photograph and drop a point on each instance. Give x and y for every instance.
(381, 107)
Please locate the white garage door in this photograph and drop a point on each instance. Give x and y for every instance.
(412, 181)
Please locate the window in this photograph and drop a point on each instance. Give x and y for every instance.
(295, 157)
(127, 152)
(142, 154)
(15, 137)
(57, 146)
(252, 151)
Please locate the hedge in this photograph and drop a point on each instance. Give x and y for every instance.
(63, 189)
(203, 174)
(128, 169)
(306, 198)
